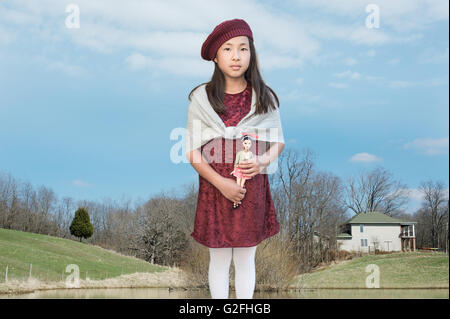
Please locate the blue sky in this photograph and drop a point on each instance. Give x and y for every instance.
(89, 111)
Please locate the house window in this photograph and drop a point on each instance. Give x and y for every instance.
(363, 242)
(361, 228)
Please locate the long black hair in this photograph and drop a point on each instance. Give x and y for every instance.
(215, 88)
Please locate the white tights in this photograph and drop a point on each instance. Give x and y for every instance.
(219, 271)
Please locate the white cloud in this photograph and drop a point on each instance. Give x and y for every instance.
(363, 35)
(377, 79)
(307, 101)
(415, 194)
(394, 61)
(19, 17)
(371, 53)
(5, 36)
(432, 55)
(418, 196)
(401, 84)
(425, 83)
(429, 146)
(72, 70)
(275, 61)
(399, 15)
(338, 85)
(344, 75)
(355, 33)
(187, 66)
(137, 61)
(176, 29)
(326, 58)
(107, 39)
(60, 66)
(348, 74)
(80, 183)
(364, 158)
(350, 61)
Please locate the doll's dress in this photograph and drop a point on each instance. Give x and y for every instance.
(238, 172)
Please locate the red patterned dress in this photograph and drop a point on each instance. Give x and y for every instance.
(217, 224)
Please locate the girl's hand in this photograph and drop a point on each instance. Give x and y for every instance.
(231, 190)
(252, 167)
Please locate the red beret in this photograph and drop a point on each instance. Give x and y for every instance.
(223, 32)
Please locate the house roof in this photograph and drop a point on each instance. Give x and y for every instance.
(375, 218)
(320, 235)
(344, 235)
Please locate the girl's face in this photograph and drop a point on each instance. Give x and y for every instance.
(247, 144)
(235, 51)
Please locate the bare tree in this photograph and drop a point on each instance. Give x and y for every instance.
(376, 191)
(446, 229)
(64, 216)
(29, 207)
(162, 233)
(308, 204)
(288, 184)
(189, 200)
(435, 207)
(46, 200)
(9, 202)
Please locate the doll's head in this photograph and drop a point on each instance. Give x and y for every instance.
(246, 142)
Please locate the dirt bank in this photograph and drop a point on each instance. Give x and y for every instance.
(172, 278)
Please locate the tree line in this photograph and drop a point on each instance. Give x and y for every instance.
(311, 206)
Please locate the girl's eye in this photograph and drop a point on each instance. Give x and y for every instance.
(229, 48)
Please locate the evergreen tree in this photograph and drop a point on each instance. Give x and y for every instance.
(81, 226)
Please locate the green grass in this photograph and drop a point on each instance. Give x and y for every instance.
(397, 270)
(49, 257)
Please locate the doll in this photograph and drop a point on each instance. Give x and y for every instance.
(244, 154)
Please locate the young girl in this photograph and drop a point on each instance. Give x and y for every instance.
(236, 100)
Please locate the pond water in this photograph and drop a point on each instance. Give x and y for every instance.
(164, 293)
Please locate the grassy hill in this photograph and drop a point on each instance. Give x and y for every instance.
(397, 270)
(49, 257)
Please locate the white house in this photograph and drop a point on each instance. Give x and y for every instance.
(366, 232)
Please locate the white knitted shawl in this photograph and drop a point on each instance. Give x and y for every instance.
(204, 124)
